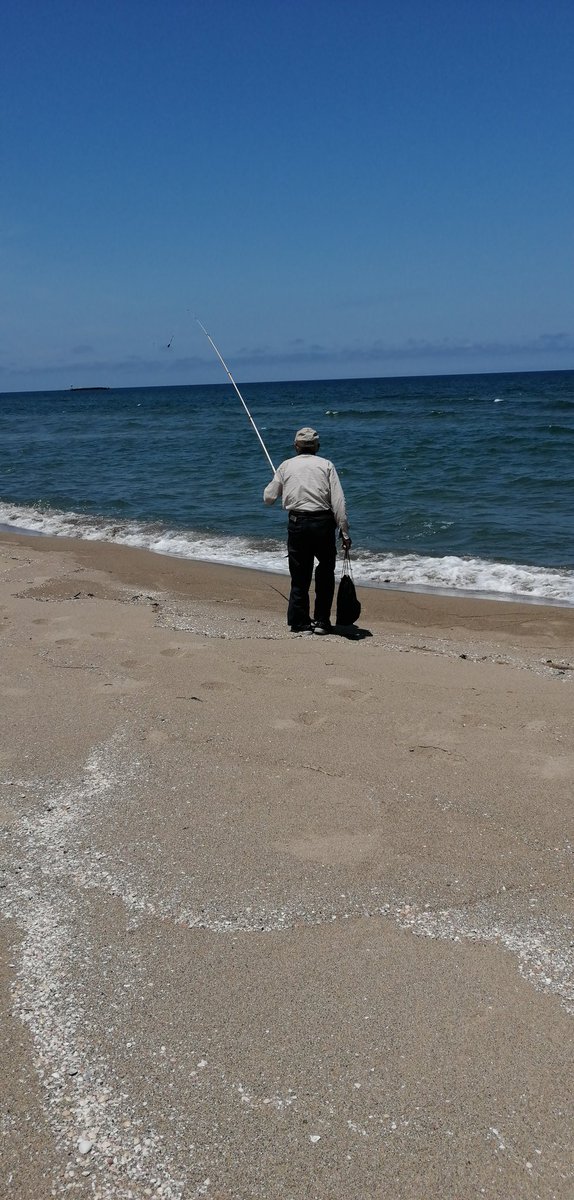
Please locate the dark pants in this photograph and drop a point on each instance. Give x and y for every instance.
(311, 537)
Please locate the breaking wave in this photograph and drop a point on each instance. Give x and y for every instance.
(447, 574)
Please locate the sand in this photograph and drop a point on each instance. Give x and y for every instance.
(282, 917)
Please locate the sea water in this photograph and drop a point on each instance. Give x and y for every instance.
(452, 482)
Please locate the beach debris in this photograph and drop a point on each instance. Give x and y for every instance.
(84, 1146)
(559, 666)
(314, 1138)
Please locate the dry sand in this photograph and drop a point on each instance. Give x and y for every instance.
(285, 917)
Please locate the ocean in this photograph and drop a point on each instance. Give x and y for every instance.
(458, 483)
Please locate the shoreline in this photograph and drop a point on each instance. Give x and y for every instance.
(385, 601)
(201, 592)
(439, 591)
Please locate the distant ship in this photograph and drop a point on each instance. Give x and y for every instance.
(90, 389)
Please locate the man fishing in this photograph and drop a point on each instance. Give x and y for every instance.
(312, 495)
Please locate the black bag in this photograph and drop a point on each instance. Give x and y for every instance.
(348, 606)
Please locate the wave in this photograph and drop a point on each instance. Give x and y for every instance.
(563, 402)
(449, 574)
(367, 414)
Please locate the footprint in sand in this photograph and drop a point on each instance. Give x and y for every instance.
(557, 767)
(348, 689)
(160, 737)
(470, 720)
(122, 686)
(333, 849)
(310, 720)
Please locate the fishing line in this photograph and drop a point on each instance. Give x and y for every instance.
(224, 364)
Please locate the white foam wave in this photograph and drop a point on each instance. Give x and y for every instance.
(450, 574)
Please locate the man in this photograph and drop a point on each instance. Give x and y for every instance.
(313, 496)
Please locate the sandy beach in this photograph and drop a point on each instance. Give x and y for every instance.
(282, 917)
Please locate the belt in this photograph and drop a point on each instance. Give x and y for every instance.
(315, 514)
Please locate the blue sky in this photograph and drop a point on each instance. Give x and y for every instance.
(335, 187)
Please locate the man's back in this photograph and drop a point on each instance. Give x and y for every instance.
(308, 483)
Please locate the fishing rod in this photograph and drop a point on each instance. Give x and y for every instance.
(224, 364)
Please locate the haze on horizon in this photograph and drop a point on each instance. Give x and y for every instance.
(336, 189)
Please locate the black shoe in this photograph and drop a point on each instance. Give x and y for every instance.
(302, 630)
(322, 627)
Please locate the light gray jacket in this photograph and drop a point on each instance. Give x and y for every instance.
(309, 483)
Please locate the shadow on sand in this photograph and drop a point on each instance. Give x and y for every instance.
(353, 632)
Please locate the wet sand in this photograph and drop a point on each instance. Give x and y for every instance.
(282, 917)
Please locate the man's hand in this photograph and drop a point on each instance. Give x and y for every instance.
(347, 543)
